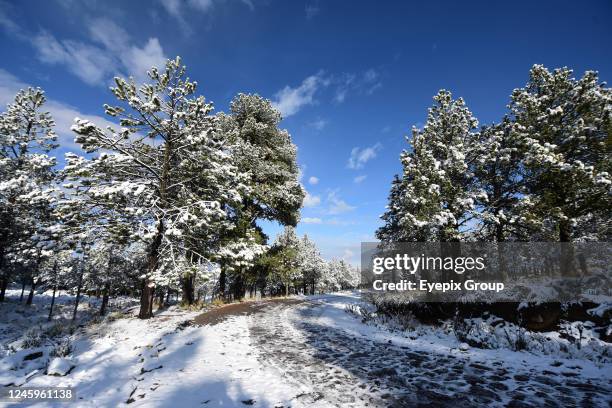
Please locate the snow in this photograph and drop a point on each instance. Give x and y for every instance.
(276, 354)
(60, 366)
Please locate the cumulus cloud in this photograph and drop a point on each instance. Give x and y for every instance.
(359, 179)
(86, 62)
(337, 205)
(313, 180)
(359, 157)
(62, 113)
(311, 201)
(290, 100)
(312, 220)
(111, 52)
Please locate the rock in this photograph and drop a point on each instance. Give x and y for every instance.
(464, 347)
(150, 366)
(59, 367)
(33, 356)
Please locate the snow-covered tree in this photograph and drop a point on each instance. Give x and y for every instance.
(311, 264)
(339, 275)
(26, 174)
(566, 125)
(437, 197)
(267, 157)
(392, 230)
(505, 212)
(166, 167)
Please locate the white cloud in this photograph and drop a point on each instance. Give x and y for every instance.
(365, 83)
(91, 64)
(6, 22)
(359, 179)
(312, 10)
(179, 9)
(110, 53)
(312, 220)
(337, 205)
(319, 124)
(359, 157)
(109, 34)
(62, 113)
(203, 6)
(138, 61)
(338, 222)
(311, 201)
(313, 180)
(290, 100)
(345, 84)
(348, 255)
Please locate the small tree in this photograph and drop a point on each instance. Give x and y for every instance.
(26, 174)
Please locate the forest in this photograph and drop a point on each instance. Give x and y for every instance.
(165, 204)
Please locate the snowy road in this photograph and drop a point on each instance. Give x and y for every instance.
(338, 361)
(307, 352)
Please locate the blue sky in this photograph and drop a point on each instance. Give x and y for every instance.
(351, 77)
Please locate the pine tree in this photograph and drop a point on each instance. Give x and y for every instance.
(505, 211)
(166, 167)
(26, 174)
(392, 230)
(566, 126)
(266, 155)
(435, 200)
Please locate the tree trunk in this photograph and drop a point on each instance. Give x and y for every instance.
(188, 289)
(78, 295)
(161, 295)
(23, 285)
(105, 296)
(3, 286)
(238, 286)
(566, 259)
(4, 281)
(146, 301)
(52, 303)
(222, 282)
(148, 290)
(31, 294)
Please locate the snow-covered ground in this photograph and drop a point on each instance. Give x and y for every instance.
(303, 352)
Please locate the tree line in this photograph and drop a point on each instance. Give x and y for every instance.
(166, 203)
(542, 173)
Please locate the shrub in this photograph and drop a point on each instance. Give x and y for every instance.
(55, 330)
(32, 338)
(63, 348)
(218, 302)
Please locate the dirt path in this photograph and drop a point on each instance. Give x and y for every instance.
(339, 368)
(220, 314)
